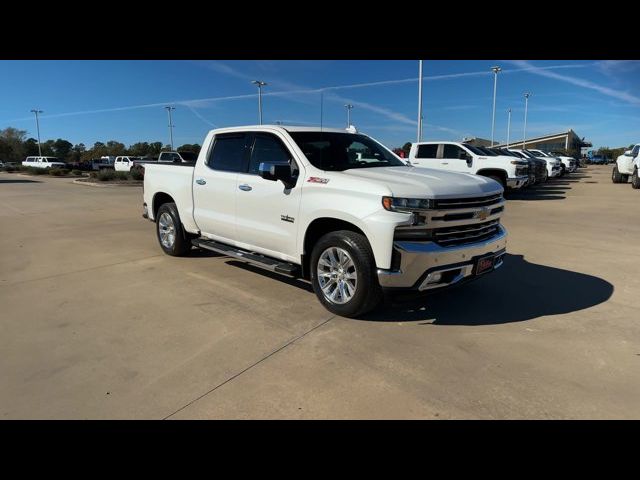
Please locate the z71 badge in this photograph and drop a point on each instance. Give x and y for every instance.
(318, 180)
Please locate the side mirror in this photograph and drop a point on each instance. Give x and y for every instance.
(628, 153)
(277, 171)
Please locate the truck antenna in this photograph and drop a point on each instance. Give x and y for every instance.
(321, 105)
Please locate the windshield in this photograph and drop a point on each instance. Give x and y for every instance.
(486, 151)
(51, 159)
(473, 149)
(189, 156)
(504, 151)
(333, 151)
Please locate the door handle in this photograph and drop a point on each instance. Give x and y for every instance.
(201, 181)
(445, 163)
(244, 187)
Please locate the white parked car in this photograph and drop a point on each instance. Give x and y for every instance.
(554, 166)
(508, 171)
(331, 206)
(43, 162)
(625, 165)
(124, 163)
(569, 164)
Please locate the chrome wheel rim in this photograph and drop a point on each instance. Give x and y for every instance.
(337, 275)
(167, 230)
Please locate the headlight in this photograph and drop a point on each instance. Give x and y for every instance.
(406, 204)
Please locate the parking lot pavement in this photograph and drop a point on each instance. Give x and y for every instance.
(95, 322)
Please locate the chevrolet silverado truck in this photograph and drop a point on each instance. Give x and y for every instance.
(461, 157)
(625, 165)
(330, 206)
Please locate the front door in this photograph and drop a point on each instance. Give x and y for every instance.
(456, 158)
(426, 156)
(267, 211)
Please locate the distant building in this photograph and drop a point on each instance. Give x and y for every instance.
(476, 141)
(568, 141)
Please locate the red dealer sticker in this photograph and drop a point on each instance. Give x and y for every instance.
(318, 180)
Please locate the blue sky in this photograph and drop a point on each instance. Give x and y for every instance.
(89, 101)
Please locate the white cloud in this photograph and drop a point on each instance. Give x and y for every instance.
(580, 82)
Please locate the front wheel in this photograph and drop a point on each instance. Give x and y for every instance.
(635, 180)
(171, 236)
(616, 177)
(343, 274)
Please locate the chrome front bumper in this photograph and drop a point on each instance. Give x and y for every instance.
(420, 261)
(517, 182)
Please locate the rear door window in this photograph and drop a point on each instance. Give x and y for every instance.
(427, 151)
(229, 152)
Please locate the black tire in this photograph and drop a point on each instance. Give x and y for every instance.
(368, 293)
(181, 244)
(616, 177)
(635, 179)
(563, 170)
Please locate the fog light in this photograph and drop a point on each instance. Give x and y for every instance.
(434, 277)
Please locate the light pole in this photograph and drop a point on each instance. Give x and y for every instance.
(420, 101)
(508, 127)
(36, 111)
(170, 125)
(348, 106)
(260, 84)
(526, 106)
(495, 71)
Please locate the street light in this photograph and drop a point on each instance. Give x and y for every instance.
(508, 127)
(170, 125)
(260, 84)
(36, 111)
(348, 106)
(526, 106)
(495, 71)
(420, 100)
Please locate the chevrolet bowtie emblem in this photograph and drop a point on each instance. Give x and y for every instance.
(482, 214)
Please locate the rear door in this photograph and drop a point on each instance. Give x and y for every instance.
(426, 156)
(267, 212)
(215, 186)
(456, 158)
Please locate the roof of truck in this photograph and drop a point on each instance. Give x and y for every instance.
(288, 128)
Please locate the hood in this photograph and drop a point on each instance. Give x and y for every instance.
(417, 182)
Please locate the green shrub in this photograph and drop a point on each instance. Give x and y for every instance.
(57, 172)
(93, 174)
(76, 172)
(106, 175)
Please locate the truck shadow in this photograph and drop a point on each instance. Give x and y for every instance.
(539, 192)
(18, 180)
(518, 291)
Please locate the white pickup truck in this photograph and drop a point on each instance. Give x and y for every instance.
(510, 172)
(569, 164)
(625, 165)
(331, 206)
(43, 162)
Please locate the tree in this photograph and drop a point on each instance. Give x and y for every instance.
(155, 148)
(30, 147)
(115, 148)
(62, 148)
(13, 140)
(139, 149)
(195, 148)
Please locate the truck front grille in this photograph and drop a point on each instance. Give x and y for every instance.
(454, 203)
(460, 235)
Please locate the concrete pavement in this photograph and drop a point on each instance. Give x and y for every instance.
(96, 322)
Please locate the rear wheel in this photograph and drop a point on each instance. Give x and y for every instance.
(635, 179)
(171, 236)
(343, 274)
